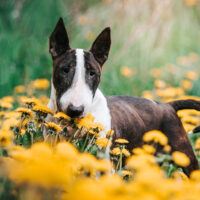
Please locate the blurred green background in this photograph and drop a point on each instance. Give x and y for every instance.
(146, 35)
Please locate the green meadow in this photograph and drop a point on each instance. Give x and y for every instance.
(146, 34)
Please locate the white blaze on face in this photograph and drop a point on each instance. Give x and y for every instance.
(79, 93)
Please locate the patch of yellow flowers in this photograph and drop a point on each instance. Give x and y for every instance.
(70, 161)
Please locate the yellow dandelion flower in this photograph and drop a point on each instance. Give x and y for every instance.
(30, 101)
(195, 175)
(97, 135)
(126, 173)
(42, 109)
(103, 166)
(99, 126)
(140, 161)
(12, 114)
(10, 123)
(92, 132)
(83, 20)
(190, 119)
(180, 176)
(115, 151)
(197, 144)
(138, 151)
(167, 148)
(25, 111)
(191, 75)
(193, 112)
(6, 137)
(87, 162)
(169, 92)
(53, 126)
(110, 133)
(61, 115)
(24, 123)
(149, 149)
(155, 136)
(186, 84)
(190, 2)
(180, 159)
(183, 61)
(19, 89)
(156, 73)
(147, 94)
(66, 150)
(159, 84)
(183, 113)
(126, 71)
(8, 99)
(23, 131)
(121, 141)
(88, 123)
(103, 142)
(188, 127)
(5, 105)
(126, 152)
(41, 84)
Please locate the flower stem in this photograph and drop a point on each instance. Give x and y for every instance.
(56, 138)
(90, 144)
(120, 160)
(117, 165)
(75, 134)
(86, 139)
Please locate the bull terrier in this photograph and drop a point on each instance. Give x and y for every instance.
(74, 91)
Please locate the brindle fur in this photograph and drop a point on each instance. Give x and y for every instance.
(133, 116)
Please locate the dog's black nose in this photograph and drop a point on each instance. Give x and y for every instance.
(74, 111)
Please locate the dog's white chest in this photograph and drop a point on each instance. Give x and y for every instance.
(101, 112)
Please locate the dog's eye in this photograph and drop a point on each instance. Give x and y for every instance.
(92, 74)
(66, 70)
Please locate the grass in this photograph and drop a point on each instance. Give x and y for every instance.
(145, 35)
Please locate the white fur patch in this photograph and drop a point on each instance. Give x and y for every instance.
(152, 101)
(79, 93)
(52, 103)
(99, 109)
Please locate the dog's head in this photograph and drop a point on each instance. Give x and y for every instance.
(76, 72)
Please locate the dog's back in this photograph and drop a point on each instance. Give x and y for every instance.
(133, 116)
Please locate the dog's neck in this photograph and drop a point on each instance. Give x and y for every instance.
(99, 109)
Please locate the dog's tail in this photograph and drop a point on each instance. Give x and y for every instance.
(185, 104)
(195, 130)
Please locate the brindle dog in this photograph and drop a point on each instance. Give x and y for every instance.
(74, 90)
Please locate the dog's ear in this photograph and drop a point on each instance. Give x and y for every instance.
(58, 41)
(101, 46)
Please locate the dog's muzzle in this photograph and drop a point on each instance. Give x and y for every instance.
(74, 111)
